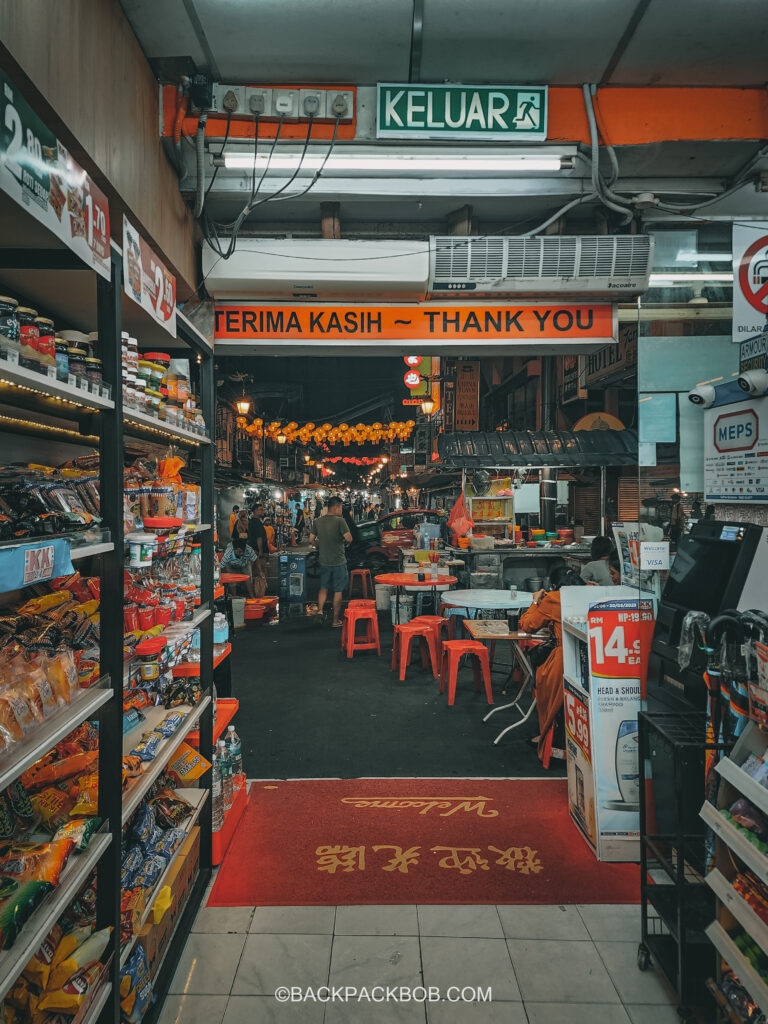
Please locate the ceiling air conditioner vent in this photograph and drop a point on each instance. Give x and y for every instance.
(605, 266)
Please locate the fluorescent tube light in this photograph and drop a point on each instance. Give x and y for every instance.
(396, 163)
(674, 278)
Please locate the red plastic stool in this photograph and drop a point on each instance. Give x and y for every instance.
(450, 619)
(359, 603)
(439, 626)
(363, 577)
(453, 651)
(369, 641)
(405, 634)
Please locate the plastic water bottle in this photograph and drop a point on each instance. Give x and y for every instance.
(235, 750)
(217, 807)
(225, 763)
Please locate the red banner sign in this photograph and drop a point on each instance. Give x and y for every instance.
(620, 634)
(147, 280)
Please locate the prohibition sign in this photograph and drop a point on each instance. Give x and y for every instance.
(757, 299)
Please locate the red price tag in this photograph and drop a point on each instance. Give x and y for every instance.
(96, 210)
(577, 722)
(620, 640)
(163, 290)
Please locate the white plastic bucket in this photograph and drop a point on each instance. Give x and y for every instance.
(406, 608)
(238, 612)
(383, 594)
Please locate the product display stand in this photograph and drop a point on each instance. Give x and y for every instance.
(676, 904)
(54, 280)
(737, 921)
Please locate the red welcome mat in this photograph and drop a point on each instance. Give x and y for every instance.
(360, 841)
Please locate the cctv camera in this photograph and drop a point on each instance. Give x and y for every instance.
(703, 395)
(754, 382)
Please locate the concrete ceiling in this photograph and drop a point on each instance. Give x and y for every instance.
(624, 42)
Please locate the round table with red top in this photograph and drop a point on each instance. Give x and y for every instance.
(234, 577)
(401, 580)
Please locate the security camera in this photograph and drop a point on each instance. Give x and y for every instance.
(754, 382)
(703, 395)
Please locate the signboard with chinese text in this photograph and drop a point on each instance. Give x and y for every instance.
(467, 409)
(474, 112)
(38, 173)
(147, 280)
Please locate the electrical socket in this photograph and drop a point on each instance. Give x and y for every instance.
(312, 101)
(229, 99)
(259, 101)
(285, 103)
(341, 104)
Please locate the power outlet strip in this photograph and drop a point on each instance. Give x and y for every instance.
(325, 104)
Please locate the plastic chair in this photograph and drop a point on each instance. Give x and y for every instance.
(363, 578)
(405, 634)
(364, 612)
(453, 652)
(439, 626)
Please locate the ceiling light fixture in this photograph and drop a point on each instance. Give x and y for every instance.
(394, 163)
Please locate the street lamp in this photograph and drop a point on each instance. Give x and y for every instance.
(427, 405)
(243, 404)
(281, 438)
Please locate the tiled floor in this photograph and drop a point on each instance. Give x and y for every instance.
(544, 964)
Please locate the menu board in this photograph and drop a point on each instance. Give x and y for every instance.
(39, 174)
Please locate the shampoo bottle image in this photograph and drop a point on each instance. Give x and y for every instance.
(627, 765)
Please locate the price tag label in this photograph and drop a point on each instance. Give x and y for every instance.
(51, 373)
(72, 380)
(577, 722)
(620, 634)
(147, 280)
(38, 564)
(13, 357)
(96, 210)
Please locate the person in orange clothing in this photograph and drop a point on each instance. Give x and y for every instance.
(544, 611)
(233, 518)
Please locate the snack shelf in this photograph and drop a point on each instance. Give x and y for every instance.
(753, 791)
(49, 387)
(223, 656)
(89, 550)
(745, 972)
(20, 756)
(197, 798)
(97, 1005)
(218, 592)
(226, 709)
(141, 423)
(200, 615)
(736, 842)
(134, 794)
(739, 907)
(78, 868)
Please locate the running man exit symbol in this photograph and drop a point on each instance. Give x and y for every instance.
(528, 110)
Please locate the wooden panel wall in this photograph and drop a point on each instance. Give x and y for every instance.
(81, 58)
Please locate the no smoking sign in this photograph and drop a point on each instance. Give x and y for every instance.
(753, 274)
(750, 291)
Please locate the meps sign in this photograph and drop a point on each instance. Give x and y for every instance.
(736, 452)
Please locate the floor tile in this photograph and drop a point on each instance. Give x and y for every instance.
(267, 1010)
(366, 960)
(647, 1014)
(270, 961)
(294, 920)
(531, 922)
(560, 972)
(216, 920)
(476, 1013)
(464, 962)
(576, 1013)
(468, 922)
(392, 920)
(612, 922)
(208, 967)
(633, 985)
(375, 1013)
(193, 1009)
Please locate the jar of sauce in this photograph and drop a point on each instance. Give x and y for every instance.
(46, 341)
(93, 370)
(62, 360)
(28, 336)
(9, 323)
(76, 358)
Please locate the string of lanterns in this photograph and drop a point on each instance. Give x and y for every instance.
(360, 433)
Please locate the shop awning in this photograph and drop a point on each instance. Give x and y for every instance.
(517, 448)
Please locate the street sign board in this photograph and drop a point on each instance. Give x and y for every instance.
(506, 113)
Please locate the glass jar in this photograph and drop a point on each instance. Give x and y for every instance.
(144, 371)
(76, 357)
(154, 401)
(93, 370)
(9, 323)
(156, 376)
(46, 341)
(140, 391)
(129, 389)
(28, 336)
(62, 360)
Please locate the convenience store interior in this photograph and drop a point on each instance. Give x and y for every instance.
(261, 259)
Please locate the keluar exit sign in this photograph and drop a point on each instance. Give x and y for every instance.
(473, 112)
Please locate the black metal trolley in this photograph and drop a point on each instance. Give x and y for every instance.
(676, 903)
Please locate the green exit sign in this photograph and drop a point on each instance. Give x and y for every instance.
(473, 112)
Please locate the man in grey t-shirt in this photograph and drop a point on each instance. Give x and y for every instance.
(331, 535)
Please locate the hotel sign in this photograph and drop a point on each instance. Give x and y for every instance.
(508, 113)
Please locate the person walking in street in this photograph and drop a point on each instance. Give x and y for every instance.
(258, 540)
(233, 518)
(240, 529)
(331, 534)
(300, 523)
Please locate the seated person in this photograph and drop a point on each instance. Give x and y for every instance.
(545, 610)
(596, 570)
(614, 568)
(239, 558)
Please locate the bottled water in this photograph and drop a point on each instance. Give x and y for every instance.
(217, 807)
(235, 750)
(225, 763)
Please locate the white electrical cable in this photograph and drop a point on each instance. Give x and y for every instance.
(200, 169)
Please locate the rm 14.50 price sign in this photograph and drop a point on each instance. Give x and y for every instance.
(620, 634)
